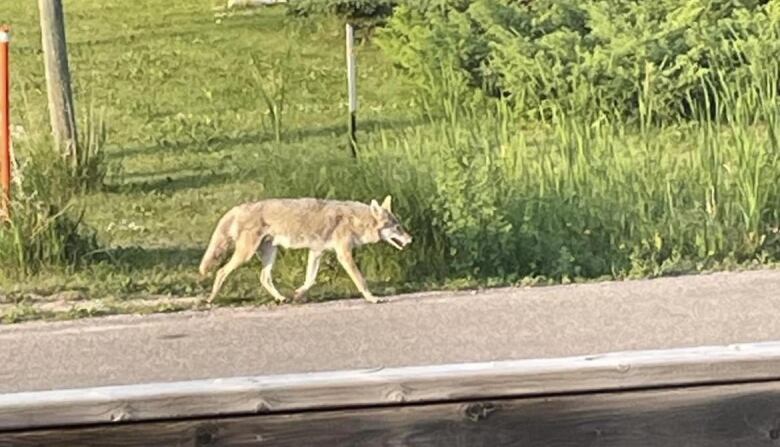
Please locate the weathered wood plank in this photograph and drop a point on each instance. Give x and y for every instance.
(439, 383)
(712, 416)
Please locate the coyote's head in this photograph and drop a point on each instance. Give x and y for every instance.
(390, 230)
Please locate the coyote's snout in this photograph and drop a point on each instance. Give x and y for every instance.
(316, 224)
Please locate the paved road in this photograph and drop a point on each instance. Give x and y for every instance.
(415, 329)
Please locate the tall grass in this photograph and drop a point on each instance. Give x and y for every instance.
(271, 82)
(89, 169)
(583, 196)
(489, 195)
(45, 229)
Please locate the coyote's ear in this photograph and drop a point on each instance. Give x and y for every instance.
(386, 203)
(376, 210)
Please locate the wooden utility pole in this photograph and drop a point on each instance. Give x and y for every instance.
(55, 58)
(352, 88)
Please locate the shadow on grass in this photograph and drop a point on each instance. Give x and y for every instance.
(135, 258)
(367, 126)
(169, 184)
(170, 181)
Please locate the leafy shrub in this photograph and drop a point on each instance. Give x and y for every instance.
(423, 37)
(367, 13)
(593, 57)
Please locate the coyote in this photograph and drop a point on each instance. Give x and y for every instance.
(316, 224)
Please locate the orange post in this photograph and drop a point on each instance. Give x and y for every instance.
(5, 123)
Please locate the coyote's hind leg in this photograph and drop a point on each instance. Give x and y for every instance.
(246, 246)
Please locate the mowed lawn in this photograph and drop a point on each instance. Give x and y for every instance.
(180, 85)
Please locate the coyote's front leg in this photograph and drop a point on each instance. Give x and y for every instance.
(268, 257)
(312, 266)
(344, 255)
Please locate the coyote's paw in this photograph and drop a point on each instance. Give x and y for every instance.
(374, 300)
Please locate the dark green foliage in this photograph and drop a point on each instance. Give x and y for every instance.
(588, 57)
(614, 189)
(361, 12)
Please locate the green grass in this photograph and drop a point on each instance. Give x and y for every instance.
(189, 132)
(192, 99)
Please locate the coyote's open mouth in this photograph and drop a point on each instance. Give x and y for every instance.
(396, 242)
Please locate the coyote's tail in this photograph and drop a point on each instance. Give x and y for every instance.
(219, 242)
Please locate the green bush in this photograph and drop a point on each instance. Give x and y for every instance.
(609, 182)
(587, 57)
(423, 38)
(361, 12)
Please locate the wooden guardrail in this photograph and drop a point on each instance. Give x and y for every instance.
(705, 396)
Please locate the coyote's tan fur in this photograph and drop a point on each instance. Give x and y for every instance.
(316, 224)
